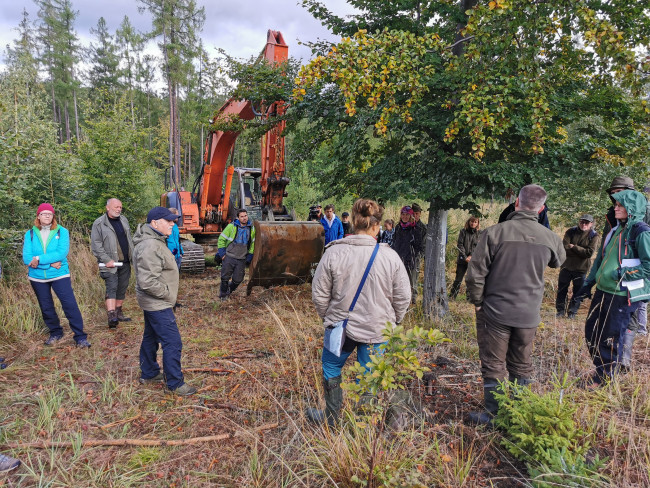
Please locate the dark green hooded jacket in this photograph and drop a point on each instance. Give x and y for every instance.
(632, 249)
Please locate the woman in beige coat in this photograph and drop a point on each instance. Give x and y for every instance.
(384, 298)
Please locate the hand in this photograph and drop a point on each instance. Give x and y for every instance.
(110, 264)
(571, 245)
(217, 259)
(468, 259)
(56, 265)
(585, 291)
(34, 262)
(476, 309)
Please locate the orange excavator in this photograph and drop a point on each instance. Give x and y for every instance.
(286, 251)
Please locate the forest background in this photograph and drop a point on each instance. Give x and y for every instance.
(450, 103)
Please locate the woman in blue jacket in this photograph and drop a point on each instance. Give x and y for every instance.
(45, 253)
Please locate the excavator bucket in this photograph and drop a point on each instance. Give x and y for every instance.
(286, 253)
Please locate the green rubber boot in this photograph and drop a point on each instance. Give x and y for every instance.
(333, 403)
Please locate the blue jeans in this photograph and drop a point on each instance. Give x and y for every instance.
(160, 327)
(606, 327)
(333, 365)
(63, 289)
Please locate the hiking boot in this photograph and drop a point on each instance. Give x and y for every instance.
(156, 379)
(83, 343)
(8, 463)
(559, 315)
(184, 390)
(112, 319)
(52, 340)
(571, 315)
(120, 315)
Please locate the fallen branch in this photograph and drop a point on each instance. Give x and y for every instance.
(119, 422)
(208, 370)
(133, 442)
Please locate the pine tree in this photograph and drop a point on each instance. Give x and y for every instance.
(176, 23)
(104, 74)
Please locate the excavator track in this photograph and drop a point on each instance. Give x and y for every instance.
(194, 258)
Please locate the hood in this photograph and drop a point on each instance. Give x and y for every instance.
(238, 223)
(355, 240)
(634, 202)
(145, 232)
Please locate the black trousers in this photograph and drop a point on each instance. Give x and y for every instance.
(566, 278)
(231, 268)
(461, 269)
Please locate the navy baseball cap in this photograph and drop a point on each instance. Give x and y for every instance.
(157, 213)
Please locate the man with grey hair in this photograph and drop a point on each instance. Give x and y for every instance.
(505, 282)
(110, 242)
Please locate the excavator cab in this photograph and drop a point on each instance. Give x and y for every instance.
(248, 192)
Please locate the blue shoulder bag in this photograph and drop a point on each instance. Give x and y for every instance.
(335, 333)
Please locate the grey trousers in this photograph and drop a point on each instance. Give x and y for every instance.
(504, 351)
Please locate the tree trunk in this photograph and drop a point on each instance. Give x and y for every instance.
(76, 114)
(66, 113)
(177, 137)
(435, 302)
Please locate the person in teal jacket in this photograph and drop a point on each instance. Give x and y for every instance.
(235, 248)
(174, 242)
(45, 253)
(621, 273)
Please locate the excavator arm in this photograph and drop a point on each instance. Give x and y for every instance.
(220, 144)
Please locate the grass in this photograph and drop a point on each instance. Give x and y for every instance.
(272, 341)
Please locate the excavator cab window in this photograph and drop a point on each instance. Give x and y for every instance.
(248, 196)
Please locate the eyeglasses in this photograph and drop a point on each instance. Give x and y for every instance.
(584, 222)
(46, 214)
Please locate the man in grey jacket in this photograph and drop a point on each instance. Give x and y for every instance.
(110, 242)
(156, 289)
(505, 283)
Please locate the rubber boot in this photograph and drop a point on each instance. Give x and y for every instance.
(112, 319)
(491, 405)
(333, 403)
(399, 410)
(120, 315)
(223, 290)
(625, 343)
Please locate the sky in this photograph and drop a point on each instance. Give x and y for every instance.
(238, 26)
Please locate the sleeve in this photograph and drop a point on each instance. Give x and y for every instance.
(588, 251)
(339, 233)
(401, 291)
(225, 238)
(28, 252)
(478, 270)
(566, 240)
(321, 287)
(462, 253)
(642, 271)
(149, 275)
(506, 211)
(60, 252)
(559, 256)
(591, 278)
(97, 245)
(251, 248)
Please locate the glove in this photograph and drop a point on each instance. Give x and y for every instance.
(218, 259)
(249, 258)
(585, 290)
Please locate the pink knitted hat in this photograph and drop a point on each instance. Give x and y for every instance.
(44, 207)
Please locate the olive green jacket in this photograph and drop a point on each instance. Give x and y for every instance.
(156, 272)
